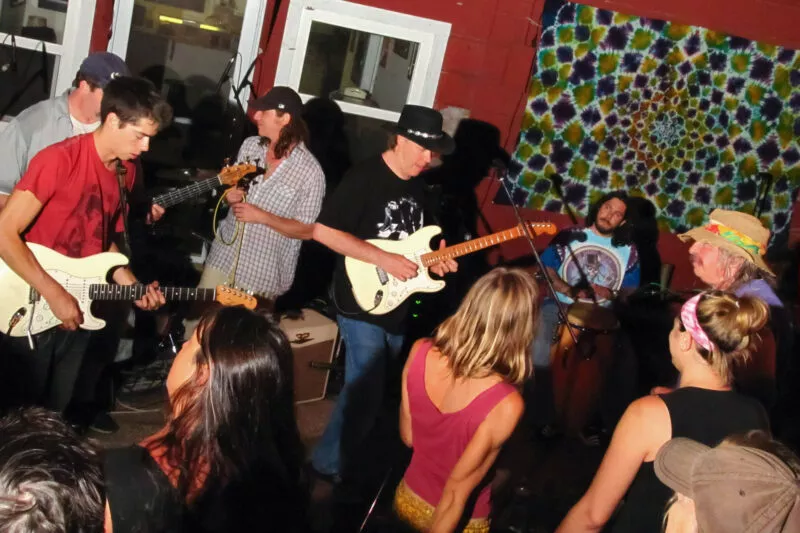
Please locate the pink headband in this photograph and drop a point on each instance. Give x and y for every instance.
(689, 319)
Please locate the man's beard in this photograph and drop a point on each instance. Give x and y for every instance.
(606, 231)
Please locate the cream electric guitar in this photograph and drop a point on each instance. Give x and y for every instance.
(85, 279)
(377, 292)
(228, 176)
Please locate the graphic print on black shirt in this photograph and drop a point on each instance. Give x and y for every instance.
(402, 218)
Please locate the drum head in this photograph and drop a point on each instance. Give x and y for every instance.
(591, 316)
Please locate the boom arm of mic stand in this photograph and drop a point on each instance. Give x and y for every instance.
(528, 237)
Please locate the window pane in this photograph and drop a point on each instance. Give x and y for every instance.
(42, 20)
(27, 81)
(184, 46)
(358, 67)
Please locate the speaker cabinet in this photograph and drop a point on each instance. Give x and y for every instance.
(314, 340)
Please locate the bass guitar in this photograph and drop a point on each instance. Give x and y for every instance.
(241, 174)
(377, 292)
(85, 279)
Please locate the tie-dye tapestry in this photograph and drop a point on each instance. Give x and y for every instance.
(682, 115)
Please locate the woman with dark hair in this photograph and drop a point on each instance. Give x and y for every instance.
(229, 457)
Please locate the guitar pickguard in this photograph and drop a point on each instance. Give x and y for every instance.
(43, 317)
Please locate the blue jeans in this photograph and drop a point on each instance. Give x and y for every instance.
(545, 329)
(367, 347)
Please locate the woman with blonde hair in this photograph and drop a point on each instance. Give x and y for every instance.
(714, 333)
(460, 403)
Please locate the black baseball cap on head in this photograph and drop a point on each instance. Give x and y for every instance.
(102, 67)
(423, 125)
(280, 98)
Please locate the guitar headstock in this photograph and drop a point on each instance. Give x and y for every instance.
(541, 228)
(229, 296)
(231, 174)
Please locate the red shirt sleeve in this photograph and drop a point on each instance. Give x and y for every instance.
(130, 179)
(47, 171)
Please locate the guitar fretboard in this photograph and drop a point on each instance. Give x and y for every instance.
(184, 193)
(457, 250)
(135, 292)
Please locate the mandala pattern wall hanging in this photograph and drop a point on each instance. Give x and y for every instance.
(682, 115)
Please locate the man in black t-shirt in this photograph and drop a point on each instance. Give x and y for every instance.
(376, 199)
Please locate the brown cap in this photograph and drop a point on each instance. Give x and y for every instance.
(280, 98)
(734, 488)
(739, 233)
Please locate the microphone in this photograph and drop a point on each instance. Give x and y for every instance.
(226, 74)
(45, 81)
(12, 64)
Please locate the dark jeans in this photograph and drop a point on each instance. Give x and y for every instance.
(45, 376)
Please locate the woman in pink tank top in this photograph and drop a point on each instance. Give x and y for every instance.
(460, 403)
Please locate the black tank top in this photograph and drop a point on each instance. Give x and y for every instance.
(703, 415)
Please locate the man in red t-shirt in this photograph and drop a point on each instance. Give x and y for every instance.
(69, 201)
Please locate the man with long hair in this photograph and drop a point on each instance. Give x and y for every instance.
(590, 264)
(250, 250)
(69, 201)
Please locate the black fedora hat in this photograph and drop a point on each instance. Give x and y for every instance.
(423, 125)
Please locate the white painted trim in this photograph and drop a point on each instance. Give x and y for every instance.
(77, 36)
(432, 36)
(30, 44)
(249, 38)
(121, 27)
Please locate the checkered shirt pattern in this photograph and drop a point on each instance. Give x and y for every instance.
(268, 260)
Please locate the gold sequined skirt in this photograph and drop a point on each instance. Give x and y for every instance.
(418, 513)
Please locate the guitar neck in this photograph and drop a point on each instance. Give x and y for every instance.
(135, 292)
(457, 250)
(184, 193)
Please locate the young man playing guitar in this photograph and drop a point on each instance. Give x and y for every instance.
(69, 201)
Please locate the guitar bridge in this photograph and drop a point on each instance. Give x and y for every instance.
(383, 277)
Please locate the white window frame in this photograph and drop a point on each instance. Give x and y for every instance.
(432, 36)
(249, 38)
(71, 52)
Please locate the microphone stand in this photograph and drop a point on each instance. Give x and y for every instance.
(503, 172)
(557, 180)
(761, 200)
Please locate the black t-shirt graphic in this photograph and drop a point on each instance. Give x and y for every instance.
(371, 202)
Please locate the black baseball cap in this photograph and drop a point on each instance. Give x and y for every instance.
(280, 98)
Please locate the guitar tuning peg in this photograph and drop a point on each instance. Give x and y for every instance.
(226, 161)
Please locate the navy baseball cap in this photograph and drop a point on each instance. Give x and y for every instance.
(280, 98)
(102, 67)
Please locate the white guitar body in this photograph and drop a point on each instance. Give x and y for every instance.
(75, 275)
(377, 291)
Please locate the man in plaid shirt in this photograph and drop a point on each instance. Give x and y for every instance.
(292, 189)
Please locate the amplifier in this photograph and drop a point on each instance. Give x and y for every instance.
(314, 342)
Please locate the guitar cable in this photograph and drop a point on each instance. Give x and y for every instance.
(234, 238)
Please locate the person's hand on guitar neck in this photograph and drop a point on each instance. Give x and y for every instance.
(443, 267)
(397, 266)
(234, 195)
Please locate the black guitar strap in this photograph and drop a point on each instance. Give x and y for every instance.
(123, 207)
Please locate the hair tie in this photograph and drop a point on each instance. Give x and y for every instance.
(692, 325)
